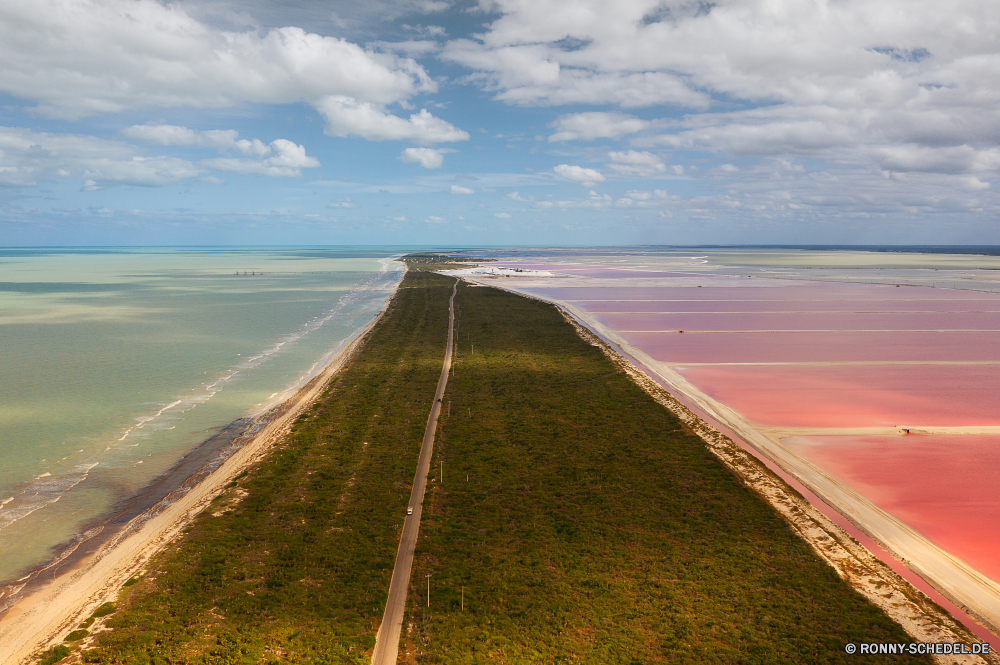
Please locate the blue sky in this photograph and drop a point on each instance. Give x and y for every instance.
(513, 122)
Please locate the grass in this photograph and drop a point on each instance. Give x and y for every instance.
(582, 524)
(299, 569)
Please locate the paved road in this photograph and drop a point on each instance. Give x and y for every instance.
(387, 641)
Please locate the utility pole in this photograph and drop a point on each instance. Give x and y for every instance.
(428, 589)
(442, 471)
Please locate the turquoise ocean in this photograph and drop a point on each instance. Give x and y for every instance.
(115, 363)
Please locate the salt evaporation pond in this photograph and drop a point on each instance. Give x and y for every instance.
(799, 347)
(803, 321)
(829, 355)
(649, 306)
(943, 486)
(855, 395)
(737, 291)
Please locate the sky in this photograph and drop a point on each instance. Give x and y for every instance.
(507, 122)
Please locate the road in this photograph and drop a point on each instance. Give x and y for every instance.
(387, 641)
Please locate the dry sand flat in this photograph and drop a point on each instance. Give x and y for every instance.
(41, 619)
(955, 579)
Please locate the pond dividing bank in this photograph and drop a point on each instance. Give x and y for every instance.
(569, 517)
(815, 396)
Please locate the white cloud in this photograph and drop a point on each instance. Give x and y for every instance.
(458, 189)
(436, 220)
(501, 215)
(346, 116)
(902, 86)
(285, 159)
(580, 174)
(432, 6)
(221, 139)
(279, 158)
(343, 203)
(594, 201)
(776, 191)
(76, 58)
(636, 164)
(429, 158)
(595, 125)
(413, 48)
(426, 30)
(27, 157)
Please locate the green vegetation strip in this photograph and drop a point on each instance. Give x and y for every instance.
(578, 522)
(582, 522)
(297, 571)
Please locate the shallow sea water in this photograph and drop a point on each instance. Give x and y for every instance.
(117, 362)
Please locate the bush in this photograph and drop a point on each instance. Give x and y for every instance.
(54, 655)
(104, 610)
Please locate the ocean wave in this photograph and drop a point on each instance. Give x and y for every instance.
(42, 491)
(46, 488)
(162, 418)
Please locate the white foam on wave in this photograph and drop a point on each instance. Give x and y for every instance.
(374, 283)
(207, 390)
(47, 488)
(44, 490)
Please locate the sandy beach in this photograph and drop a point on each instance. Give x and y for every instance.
(40, 614)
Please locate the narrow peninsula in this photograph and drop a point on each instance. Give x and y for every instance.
(569, 517)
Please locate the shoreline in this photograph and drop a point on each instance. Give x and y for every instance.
(185, 473)
(113, 548)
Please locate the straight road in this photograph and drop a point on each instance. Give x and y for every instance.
(387, 640)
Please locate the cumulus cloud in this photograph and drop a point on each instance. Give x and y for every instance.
(27, 157)
(580, 174)
(346, 116)
(75, 58)
(777, 191)
(221, 139)
(278, 158)
(636, 164)
(502, 215)
(851, 81)
(284, 158)
(595, 125)
(429, 158)
(458, 189)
